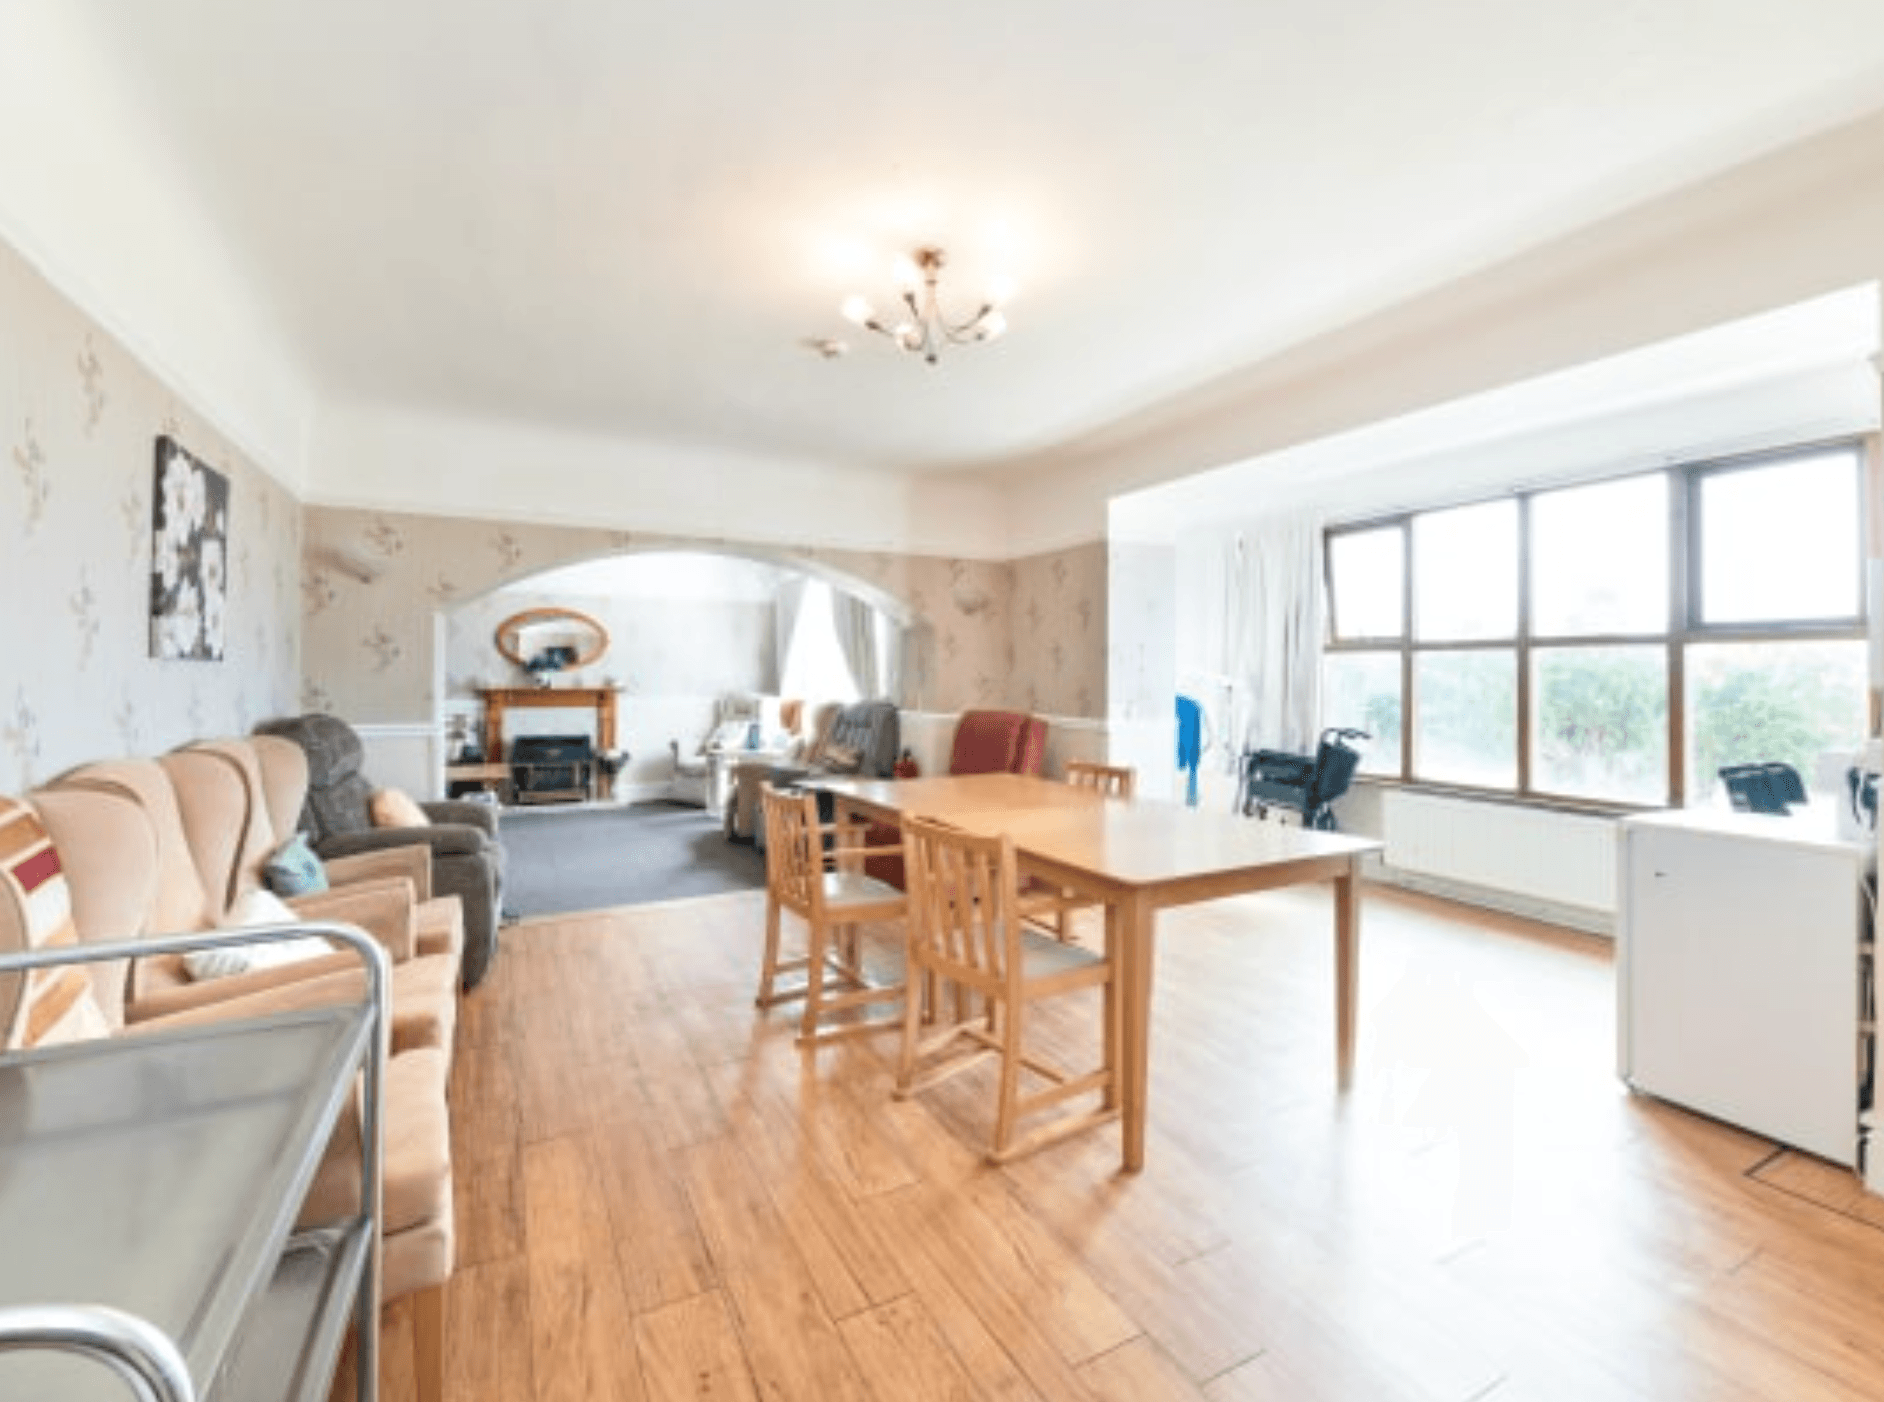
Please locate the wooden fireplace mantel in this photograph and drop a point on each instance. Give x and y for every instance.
(601, 699)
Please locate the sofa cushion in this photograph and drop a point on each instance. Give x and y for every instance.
(47, 1005)
(871, 729)
(181, 900)
(417, 1180)
(395, 808)
(840, 759)
(292, 869)
(338, 793)
(251, 909)
(108, 850)
(424, 998)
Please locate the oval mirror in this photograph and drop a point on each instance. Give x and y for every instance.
(551, 639)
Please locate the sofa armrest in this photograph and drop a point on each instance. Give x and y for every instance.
(444, 840)
(412, 862)
(463, 813)
(171, 1000)
(385, 909)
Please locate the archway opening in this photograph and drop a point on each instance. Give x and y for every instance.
(687, 629)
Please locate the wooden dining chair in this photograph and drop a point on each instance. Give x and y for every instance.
(826, 888)
(1050, 906)
(966, 931)
(1112, 780)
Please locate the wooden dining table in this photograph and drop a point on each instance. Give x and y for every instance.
(1136, 857)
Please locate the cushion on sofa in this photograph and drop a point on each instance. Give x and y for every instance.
(251, 909)
(395, 808)
(292, 869)
(47, 1005)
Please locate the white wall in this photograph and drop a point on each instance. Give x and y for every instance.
(93, 201)
(397, 460)
(1802, 223)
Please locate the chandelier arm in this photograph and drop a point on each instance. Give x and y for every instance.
(962, 333)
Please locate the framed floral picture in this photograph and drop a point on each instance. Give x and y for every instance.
(189, 581)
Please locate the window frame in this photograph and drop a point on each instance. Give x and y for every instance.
(1685, 550)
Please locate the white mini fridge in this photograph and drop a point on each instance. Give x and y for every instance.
(1742, 971)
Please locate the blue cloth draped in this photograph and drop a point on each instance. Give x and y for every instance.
(1190, 743)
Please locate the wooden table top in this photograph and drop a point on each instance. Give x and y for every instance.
(1139, 841)
(944, 795)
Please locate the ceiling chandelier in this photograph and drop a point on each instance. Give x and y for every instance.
(919, 325)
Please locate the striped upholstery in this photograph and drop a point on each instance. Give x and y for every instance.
(52, 1005)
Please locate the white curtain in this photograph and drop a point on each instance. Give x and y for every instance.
(786, 605)
(1272, 633)
(893, 641)
(856, 626)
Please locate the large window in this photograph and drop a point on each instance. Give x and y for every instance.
(1614, 643)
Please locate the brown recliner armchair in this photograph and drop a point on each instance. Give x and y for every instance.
(467, 859)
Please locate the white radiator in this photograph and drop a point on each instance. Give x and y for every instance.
(1566, 858)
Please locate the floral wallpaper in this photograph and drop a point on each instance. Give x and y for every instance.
(374, 583)
(79, 424)
(1060, 632)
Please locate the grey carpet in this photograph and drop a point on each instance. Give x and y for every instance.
(559, 860)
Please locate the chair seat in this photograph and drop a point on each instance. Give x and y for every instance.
(854, 888)
(1043, 956)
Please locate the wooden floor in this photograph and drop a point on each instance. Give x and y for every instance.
(659, 1197)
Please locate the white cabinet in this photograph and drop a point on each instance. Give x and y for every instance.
(1739, 950)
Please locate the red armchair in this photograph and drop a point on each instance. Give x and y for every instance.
(986, 742)
(998, 742)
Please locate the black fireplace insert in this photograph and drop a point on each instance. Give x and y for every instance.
(552, 768)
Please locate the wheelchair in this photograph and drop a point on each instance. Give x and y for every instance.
(1304, 784)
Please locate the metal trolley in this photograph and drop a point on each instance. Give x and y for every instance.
(1304, 784)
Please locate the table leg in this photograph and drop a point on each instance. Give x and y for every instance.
(1128, 936)
(1347, 898)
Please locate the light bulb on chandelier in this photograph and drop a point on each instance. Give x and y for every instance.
(920, 327)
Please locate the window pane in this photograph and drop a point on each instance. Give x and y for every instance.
(1465, 572)
(1367, 575)
(1361, 690)
(1781, 542)
(1599, 558)
(1600, 722)
(1466, 722)
(1753, 702)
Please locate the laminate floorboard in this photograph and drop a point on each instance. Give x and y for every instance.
(659, 1195)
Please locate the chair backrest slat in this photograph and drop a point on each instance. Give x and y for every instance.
(1115, 780)
(794, 857)
(962, 901)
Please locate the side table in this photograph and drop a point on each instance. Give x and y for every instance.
(493, 777)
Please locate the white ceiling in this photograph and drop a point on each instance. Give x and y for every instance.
(624, 218)
(1800, 373)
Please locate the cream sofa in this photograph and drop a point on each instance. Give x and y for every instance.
(160, 846)
(209, 817)
(703, 772)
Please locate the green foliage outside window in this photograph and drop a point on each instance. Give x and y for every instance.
(1602, 722)
(1754, 702)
